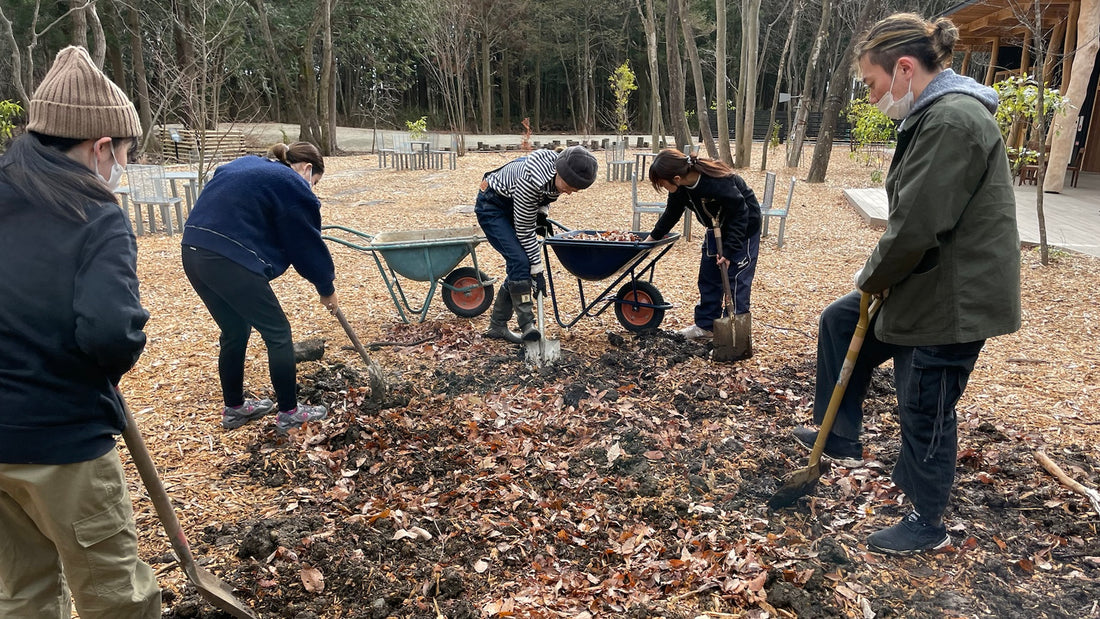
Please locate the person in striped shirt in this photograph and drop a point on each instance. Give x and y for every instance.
(511, 208)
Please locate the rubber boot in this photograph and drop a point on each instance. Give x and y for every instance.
(523, 303)
(742, 336)
(498, 320)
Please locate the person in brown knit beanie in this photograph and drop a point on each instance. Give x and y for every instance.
(70, 326)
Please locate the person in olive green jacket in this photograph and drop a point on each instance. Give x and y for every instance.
(947, 267)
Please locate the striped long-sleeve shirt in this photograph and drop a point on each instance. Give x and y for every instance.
(529, 182)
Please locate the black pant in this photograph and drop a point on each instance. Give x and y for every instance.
(239, 300)
(929, 380)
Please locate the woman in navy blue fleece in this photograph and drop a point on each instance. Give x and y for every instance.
(256, 217)
(718, 197)
(70, 326)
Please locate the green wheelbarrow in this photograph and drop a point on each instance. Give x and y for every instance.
(426, 256)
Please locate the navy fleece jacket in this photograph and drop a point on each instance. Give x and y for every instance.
(70, 326)
(262, 215)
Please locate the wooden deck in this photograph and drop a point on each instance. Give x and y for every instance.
(1072, 217)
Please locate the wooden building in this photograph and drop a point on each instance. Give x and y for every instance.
(997, 38)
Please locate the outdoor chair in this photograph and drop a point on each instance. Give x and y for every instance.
(384, 152)
(770, 211)
(404, 155)
(639, 206)
(438, 154)
(149, 188)
(619, 168)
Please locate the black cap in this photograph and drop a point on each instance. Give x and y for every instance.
(577, 167)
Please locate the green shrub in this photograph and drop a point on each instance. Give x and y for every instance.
(9, 111)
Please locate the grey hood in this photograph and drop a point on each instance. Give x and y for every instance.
(948, 82)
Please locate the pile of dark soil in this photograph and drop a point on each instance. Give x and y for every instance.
(628, 481)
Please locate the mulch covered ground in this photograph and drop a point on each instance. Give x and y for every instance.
(631, 478)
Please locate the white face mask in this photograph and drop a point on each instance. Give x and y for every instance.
(116, 173)
(896, 109)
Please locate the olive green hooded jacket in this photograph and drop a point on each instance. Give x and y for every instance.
(950, 256)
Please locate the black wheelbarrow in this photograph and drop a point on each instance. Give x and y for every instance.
(427, 256)
(590, 257)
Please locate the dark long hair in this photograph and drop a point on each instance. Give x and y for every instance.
(37, 166)
(670, 163)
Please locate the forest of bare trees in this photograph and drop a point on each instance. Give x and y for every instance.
(469, 66)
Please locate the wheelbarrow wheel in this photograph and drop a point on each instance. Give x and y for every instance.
(472, 302)
(639, 317)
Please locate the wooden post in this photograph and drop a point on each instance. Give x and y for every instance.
(992, 70)
(1065, 124)
(966, 62)
(1070, 44)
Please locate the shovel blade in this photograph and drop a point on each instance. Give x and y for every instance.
(797, 485)
(543, 351)
(218, 593)
(723, 339)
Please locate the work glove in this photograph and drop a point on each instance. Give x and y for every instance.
(538, 283)
(542, 225)
(742, 263)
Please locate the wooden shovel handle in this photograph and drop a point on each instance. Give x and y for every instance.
(723, 270)
(147, 470)
(867, 308)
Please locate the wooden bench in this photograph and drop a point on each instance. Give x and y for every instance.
(185, 145)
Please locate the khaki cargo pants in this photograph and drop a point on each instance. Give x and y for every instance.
(68, 527)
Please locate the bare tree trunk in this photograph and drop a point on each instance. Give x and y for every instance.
(141, 80)
(537, 116)
(676, 86)
(80, 24)
(701, 113)
(505, 90)
(282, 82)
(486, 86)
(798, 131)
(649, 20)
(839, 84)
(779, 80)
(720, 84)
(328, 84)
(1041, 127)
(746, 96)
(99, 48)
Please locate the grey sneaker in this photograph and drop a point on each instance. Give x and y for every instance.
(695, 332)
(285, 422)
(236, 416)
(910, 536)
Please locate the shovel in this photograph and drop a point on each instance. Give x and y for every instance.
(377, 382)
(211, 588)
(803, 481)
(544, 351)
(723, 327)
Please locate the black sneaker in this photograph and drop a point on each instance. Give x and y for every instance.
(842, 451)
(910, 536)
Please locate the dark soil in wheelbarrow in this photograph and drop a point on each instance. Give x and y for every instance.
(628, 480)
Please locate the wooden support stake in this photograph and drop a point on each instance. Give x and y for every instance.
(1052, 467)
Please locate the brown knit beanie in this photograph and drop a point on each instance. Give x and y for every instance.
(76, 100)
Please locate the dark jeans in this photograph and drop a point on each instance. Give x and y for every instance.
(495, 214)
(711, 292)
(239, 300)
(929, 380)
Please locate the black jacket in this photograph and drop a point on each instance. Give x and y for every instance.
(70, 326)
(727, 198)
